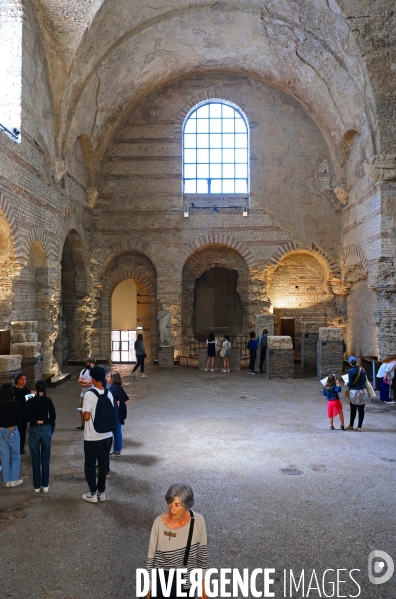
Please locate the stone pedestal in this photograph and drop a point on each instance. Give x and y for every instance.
(235, 359)
(166, 357)
(329, 352)
(309, 339)
(279, 363)
(10, 366)
(24, 331)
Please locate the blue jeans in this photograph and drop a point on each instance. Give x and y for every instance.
(40, 438)
(117, 434)
(10, 454)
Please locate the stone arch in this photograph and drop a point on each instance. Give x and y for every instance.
(9, 268)
(299, 287)
(128, 265)
(74, 306)
(202, 260)
(223, 239)
(331, 267)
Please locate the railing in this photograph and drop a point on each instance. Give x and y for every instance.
(14, 133)
(196, 343)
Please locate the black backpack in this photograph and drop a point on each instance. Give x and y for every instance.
(106, 414)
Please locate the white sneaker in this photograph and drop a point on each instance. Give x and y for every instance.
(102, 496)
(15, 483)
(222, 370)
(90, 497)
(206, 370)
(143, 376)
(37, 490)
(228, 371)
(212, 370)
(45, 489)
(7, 484)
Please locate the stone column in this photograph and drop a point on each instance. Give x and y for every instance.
(280, 357)
(9, 368)
(166, 359)
(309, 339)
(329, 352)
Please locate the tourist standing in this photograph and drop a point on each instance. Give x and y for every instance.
(96, 445)
(357, 393)
(225, 353)
(334, 406)
(178, 540)
(252, 347)
(10, 416)
(211, 345)
(262, 342)
(85, 382)
(20, 392)
(385, 375)
(140, 356)
(40, 412)
(122, 399)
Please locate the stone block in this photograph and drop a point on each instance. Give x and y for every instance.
(310, 327)
(330, 334)
(10, 363)
(166, 358)
(279, 363)
(24, 325)
(309, 350)
(264, 321)
(24, 337)
(329, 358)
(279, 342)
(26, 350)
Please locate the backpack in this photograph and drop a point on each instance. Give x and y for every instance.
(106, 414)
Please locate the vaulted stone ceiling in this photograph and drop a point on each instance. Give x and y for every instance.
(105, 56)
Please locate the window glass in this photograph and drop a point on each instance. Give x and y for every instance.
(215, 141)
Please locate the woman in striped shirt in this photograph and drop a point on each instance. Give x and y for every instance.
(177, 540)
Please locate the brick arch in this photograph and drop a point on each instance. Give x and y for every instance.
(116, 270)
(71, 220)
(224, 239)
(21, 250)
(37, 234)
(354, 254)
(124, 245)
(292, 246)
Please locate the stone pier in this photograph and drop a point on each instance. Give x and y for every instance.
(280, 357)
(309, 340)
(329, 352)
(24, 342)
(166, 360)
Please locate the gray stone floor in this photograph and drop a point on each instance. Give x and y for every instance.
(233, 437)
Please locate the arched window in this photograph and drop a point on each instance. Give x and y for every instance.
(215, 150)
(11, 17)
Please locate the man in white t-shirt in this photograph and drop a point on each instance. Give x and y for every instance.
(85, 382)
(96, 445)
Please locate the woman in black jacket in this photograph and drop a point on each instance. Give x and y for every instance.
(41, 415)
(10, 416)
(358, 395)
(121, 398)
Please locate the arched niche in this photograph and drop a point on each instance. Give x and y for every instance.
(137, 267)
(71, 343)
(9, 270)
(209, 273)
(299, 290)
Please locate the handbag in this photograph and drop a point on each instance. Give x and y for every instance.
(387, 381)
(223, 351)
(370, 390)
(348, 391)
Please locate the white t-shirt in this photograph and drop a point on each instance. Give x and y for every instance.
(89, 405)
(86, 375)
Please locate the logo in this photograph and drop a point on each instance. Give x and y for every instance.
(380, 567)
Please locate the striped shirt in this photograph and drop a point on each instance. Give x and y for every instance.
(168, 545)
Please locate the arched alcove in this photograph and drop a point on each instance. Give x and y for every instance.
(215, 279)
(9, 270)
(71, 343)
(138, 268)
(299, 292)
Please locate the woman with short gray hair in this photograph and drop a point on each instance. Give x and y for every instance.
(178, 540)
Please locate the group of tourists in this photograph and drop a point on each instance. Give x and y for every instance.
(223, 348)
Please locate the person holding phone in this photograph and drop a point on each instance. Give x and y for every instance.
(10, 416)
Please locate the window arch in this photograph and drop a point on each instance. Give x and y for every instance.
(215, 150)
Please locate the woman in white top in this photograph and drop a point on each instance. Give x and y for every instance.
(386, 374)
(225, 353)
(177, 540)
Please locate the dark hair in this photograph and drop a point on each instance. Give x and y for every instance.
(265, 331)
(211, 337)
(6, 393)
(90, 360)
(140, 337)
(18, 376)
(252, 335)
(226, 337)
(352, 363)
(116, 377)
(41, 387)
(98, 373)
